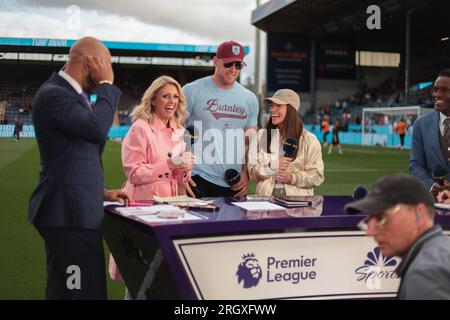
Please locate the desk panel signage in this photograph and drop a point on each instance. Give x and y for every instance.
(297, 265)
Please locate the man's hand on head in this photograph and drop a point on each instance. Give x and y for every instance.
(100, 69)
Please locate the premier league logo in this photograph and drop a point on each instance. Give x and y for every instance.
(249, 271)
(236, 50)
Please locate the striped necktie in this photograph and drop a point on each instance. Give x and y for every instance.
(447, 131)
(447, 135)
(86, 100)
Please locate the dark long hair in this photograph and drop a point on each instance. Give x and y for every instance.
(292, 128)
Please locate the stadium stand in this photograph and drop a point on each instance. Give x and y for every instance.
(27, 63)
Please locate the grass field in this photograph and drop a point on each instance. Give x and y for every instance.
(22, 264)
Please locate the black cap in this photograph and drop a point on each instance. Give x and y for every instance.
(390, 191)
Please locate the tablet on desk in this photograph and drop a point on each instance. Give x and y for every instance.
(293, 201)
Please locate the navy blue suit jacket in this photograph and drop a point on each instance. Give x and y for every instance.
(426, 152)
(71, 138)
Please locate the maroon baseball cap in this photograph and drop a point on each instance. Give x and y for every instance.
(230, 51)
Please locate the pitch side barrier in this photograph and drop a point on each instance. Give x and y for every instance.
(380, 136)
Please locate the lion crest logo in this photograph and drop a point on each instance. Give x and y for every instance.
(249, 272)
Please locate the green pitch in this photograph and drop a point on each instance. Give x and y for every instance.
(22, 266)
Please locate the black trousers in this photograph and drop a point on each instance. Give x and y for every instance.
(209, 189)
(402, 139)
(75, 264)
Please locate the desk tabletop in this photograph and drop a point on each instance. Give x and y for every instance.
(325, 215)
(324, 212)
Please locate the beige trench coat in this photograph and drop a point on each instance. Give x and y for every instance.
(307, 169)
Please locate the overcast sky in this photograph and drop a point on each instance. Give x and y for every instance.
(157, 21)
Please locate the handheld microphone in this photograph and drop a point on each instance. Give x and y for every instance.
(359, 193)
(439, 174)
(290, 147)
(190, 134)
(232, 177)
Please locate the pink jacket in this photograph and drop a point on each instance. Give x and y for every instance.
(145, 152)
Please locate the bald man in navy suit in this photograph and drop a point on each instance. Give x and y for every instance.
(67, 205)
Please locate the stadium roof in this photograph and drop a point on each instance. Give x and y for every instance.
(347, 18)
(42, 45)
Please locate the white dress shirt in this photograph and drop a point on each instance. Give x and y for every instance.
(71, 81)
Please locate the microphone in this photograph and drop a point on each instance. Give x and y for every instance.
(190, 134)
(439, 174)
(290, 147)
(359, 193)
(232, 177)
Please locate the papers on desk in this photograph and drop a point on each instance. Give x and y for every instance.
(147, 210)
(157, 214)
(109, 203)
(156, 218)
(259, 206)
(185, 201)
(442, 206)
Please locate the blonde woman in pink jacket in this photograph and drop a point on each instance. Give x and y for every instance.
(153, 146)
(153, 155)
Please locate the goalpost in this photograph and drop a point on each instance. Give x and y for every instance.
(380, 132)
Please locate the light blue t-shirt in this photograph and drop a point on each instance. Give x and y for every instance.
(220, 116)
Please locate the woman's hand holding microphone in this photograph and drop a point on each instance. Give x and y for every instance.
(281, 165)
(180, 165)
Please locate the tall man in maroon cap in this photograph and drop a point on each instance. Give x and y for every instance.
(221, 110)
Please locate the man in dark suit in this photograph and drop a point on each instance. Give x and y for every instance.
(431, 138)
(67, 205)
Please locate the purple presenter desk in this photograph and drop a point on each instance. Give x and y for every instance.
(314, 252)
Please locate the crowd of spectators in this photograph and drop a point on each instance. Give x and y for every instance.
(387, 94)
(390, 93)
(17, 88)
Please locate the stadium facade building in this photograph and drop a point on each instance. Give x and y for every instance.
(328, 49)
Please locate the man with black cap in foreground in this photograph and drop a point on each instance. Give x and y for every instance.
(401, 220)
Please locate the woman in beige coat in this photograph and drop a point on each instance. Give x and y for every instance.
(275, 173)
